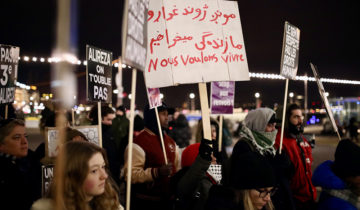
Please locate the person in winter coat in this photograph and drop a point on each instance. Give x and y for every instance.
(298, 149)
(340, 179)
(20, 176)
(85, 181)
(181, 132)
(250, 187)
(257, 135)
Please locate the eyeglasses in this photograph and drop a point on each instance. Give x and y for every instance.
(264, 193)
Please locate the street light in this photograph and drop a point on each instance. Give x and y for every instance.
(161, 95)
(258, 100)
(291, 95)
(192, 101)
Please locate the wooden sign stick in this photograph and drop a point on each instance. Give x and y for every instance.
(99, 123)
(205, 111)
(283, 116)
(161, 135)
(220, 131)
(131, 133)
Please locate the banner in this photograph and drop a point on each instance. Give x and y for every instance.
(154, 97)
(9, 59)
(134, 33)
(194, 41)
(98, 74)
(91, 132)
(222, 97)
(290, 51)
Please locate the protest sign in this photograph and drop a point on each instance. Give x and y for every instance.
(324, 98)
(47, 177)
(9, 59)
(98, 74)
(154, 97)
(222, 97)
(194, 41)
(290, 51)
(91, 132)
(134, 33)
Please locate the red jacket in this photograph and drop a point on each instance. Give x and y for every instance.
(301, 184)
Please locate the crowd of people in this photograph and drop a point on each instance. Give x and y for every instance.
(261, 172)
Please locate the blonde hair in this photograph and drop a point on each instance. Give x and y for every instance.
(244, 196)
(77, 156)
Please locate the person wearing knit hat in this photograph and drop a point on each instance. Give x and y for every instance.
(199, 172)
(340, 179)
(251, 184)
(257, 136)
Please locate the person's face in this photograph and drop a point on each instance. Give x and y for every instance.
(258, 200)
(270, 127)
(213, 132)
(94, 183)
(15, 143)
(164, 119)
(107, 120)
(296, 117)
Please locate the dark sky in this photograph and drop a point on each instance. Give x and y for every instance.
(328, 39)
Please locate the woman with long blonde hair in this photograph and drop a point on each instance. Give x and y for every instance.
(86, 183)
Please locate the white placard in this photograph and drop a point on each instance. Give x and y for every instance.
(194, 41)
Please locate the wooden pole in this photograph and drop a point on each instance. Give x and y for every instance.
(6, 111)
(284, 113)
(99, 123)
(73, 116)
(205, 110)
(161, 135)
(220, 132)
(131, 133)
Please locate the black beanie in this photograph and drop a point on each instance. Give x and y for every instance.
(150, 117)
(347, 159)
(251, 171)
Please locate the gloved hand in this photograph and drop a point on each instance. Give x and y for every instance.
(165, 170)
(205, 149)
(216, 152)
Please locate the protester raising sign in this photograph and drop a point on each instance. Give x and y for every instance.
(194, 41)
(9, 59)
(222, 97)
(98, 74)
(290, 51)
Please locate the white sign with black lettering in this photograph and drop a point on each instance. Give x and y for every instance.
(290, 51)
(9, 59)
(135, 33)
(47, 177)
(98, 74)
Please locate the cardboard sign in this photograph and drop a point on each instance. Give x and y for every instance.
(47, 177)
(134, 33)
(98, 74)
(324, 98)
(154, 97)
(51, 149)
(9, 59)
(194, 41)
(290, 51)
(222, 97)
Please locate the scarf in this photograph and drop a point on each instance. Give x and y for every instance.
(346, 195)
(261, 143)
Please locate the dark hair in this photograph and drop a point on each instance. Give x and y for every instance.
(105, 110)
(291, 108)
(6, 126)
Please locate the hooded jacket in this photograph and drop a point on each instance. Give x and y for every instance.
(325, 178)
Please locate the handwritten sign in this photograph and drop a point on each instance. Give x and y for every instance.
(91, 132)
(9, 59)
(290, 51)
(47, 177)
(134, 33)
(222, 97)
(154, 97)
(323, 96)
(98, 74)
(194, 41)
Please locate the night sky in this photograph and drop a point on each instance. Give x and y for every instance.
(328, 39)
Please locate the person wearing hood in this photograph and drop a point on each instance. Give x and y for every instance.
(298, 149)
(181, 131)
(150, 175)
(257, 135)
(340, 179)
